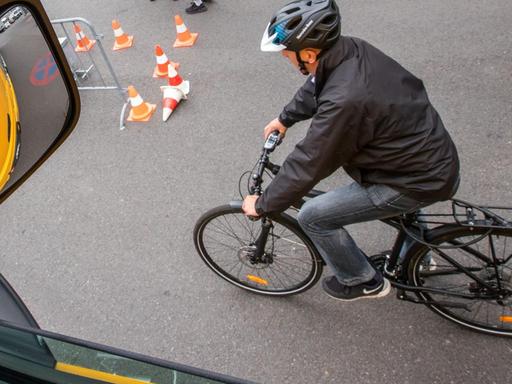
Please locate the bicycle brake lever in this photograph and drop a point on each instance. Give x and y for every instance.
(273, 168)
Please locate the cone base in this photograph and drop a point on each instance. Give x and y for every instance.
(146, 117)
(156, 73)
(128, 44)
(184, 88)
(88, 47)
(187, 43)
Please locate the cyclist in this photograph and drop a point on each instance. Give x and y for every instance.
(371, 117)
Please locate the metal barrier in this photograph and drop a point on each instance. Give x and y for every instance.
(83, 64)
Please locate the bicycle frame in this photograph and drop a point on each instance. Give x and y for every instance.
(408, 226)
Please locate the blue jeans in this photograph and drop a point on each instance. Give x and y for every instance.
(323, 219)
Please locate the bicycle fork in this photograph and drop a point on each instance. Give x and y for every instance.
(261, 241)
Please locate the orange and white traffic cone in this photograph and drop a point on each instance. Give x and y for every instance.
(83, 43)
(162, 62)
(172, 97)
(184, 37)
(122, 39)
(177, 82)
(140, 110)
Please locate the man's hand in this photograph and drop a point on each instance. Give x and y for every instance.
(274, 125)
(249, 205)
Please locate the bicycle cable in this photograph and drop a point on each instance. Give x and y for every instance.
(267, 172)
(240, 183)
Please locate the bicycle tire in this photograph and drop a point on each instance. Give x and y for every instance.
(272, 279)
(428, 267)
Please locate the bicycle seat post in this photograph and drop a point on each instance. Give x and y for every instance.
(390, 267)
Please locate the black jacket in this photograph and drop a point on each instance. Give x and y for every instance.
(371, 117)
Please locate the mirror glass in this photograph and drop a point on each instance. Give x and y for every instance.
(34, 101)
(51, 359)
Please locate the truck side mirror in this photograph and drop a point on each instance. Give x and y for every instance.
(39, 102)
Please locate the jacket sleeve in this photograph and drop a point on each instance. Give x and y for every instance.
(302, 106)
(332, 140)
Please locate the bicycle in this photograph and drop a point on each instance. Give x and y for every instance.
(461, 268)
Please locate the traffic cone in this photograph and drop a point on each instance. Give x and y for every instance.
(184, 37)
(140, 110)
(83, 43)
(162, 62)
(122, 39)
(172, 97)
(177, 82)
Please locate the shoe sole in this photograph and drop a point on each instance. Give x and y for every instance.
(385, 291)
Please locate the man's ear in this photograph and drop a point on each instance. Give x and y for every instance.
(309, 55)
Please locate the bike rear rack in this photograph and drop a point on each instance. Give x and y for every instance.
(466, 214)
(480, 216)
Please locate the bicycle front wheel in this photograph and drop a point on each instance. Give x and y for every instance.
(225, 239)
(475, 279)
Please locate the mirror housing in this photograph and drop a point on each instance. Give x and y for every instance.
(36, 144)
(19, 161)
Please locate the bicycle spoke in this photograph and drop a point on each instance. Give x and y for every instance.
(232, 247)
(479, 306)
(281, 262)
(245, 223)
(301, 258)
(277, 277)
(228, 233)
(292, 242)
(233, 267)
(283, 272)
(232, 230)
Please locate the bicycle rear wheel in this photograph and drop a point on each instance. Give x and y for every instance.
(481, 308)
(225, 239)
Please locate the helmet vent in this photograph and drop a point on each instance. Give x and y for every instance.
(330, 19)
(293, 23)
(315, 35)
(292, 10)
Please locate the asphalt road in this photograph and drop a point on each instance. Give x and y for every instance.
(98, 242)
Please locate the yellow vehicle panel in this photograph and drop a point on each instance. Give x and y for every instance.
(9, 125)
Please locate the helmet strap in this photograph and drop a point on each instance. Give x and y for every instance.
(302, 64)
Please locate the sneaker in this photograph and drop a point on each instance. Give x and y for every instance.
(342, 292)
(196, 8)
